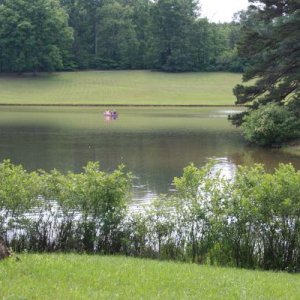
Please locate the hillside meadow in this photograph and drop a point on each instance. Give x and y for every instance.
(70, 276)
(119, 88)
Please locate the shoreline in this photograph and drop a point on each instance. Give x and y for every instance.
(120, 88)
(292, 148)
(116, 105)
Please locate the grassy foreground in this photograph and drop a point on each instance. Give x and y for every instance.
(73, 276)
(120, 88)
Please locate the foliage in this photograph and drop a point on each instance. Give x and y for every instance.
(34, 36)
(251, 221)
(166, 35)
(270, 124)
(262, 222)
(171, 25)
(99, 197)
(270, 41)
(117, 45)
(85, 215)
(229, 58)
(19, 191)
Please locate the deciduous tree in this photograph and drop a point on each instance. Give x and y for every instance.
(34, 35)
(171, 27)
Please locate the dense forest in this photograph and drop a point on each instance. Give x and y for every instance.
(167, 35)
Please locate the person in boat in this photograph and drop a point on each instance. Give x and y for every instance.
(108, 113)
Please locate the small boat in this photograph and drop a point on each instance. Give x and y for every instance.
(110, 113)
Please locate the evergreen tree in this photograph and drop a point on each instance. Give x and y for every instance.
(271, 42)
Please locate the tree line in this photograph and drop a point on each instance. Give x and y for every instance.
(167, 35)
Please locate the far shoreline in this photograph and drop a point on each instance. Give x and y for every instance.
(115, 105)
(121, 88)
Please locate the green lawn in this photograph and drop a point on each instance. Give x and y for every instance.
(292, 148)
(120, 87)
(73, 276)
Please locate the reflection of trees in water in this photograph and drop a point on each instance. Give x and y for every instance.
(155, 157)
(269, 157)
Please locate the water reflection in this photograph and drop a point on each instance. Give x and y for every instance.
(154, 143)
(224, 167)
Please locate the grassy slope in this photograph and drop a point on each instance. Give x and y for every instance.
(95, 277)
(292, 148)
(120, 87)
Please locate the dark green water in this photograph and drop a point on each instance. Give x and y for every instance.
(154, 143)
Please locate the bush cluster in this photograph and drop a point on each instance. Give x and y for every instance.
(251, 221)
(42, 211)
(270, 125)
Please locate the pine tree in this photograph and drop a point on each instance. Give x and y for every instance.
(271, 42)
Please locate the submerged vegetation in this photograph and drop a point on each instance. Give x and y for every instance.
(252, 221)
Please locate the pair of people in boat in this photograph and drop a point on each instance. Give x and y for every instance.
(110, 113)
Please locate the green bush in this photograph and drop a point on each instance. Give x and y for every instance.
(19, 191)
(270, 125)
(252, 221)
(262, 218)
(43, 211)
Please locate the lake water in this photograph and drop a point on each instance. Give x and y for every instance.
(154, 143)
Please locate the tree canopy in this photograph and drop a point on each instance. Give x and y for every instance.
(270, 41)
(172, 21)
(167, 35)
(34, 35)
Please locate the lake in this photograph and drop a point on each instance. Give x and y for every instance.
(154, 143)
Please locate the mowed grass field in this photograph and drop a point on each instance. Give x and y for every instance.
(120, 88)
(71, 276)
(292, 148)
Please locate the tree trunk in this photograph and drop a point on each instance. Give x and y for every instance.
(4, 252)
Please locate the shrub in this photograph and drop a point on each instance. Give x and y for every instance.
(97, 199)
(270, 124)
(19, 191)
(262, 224)
(252, 221)
(43, 211)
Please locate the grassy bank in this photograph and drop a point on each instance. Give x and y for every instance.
(293, 148)
(96, 277)
(120, 88)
